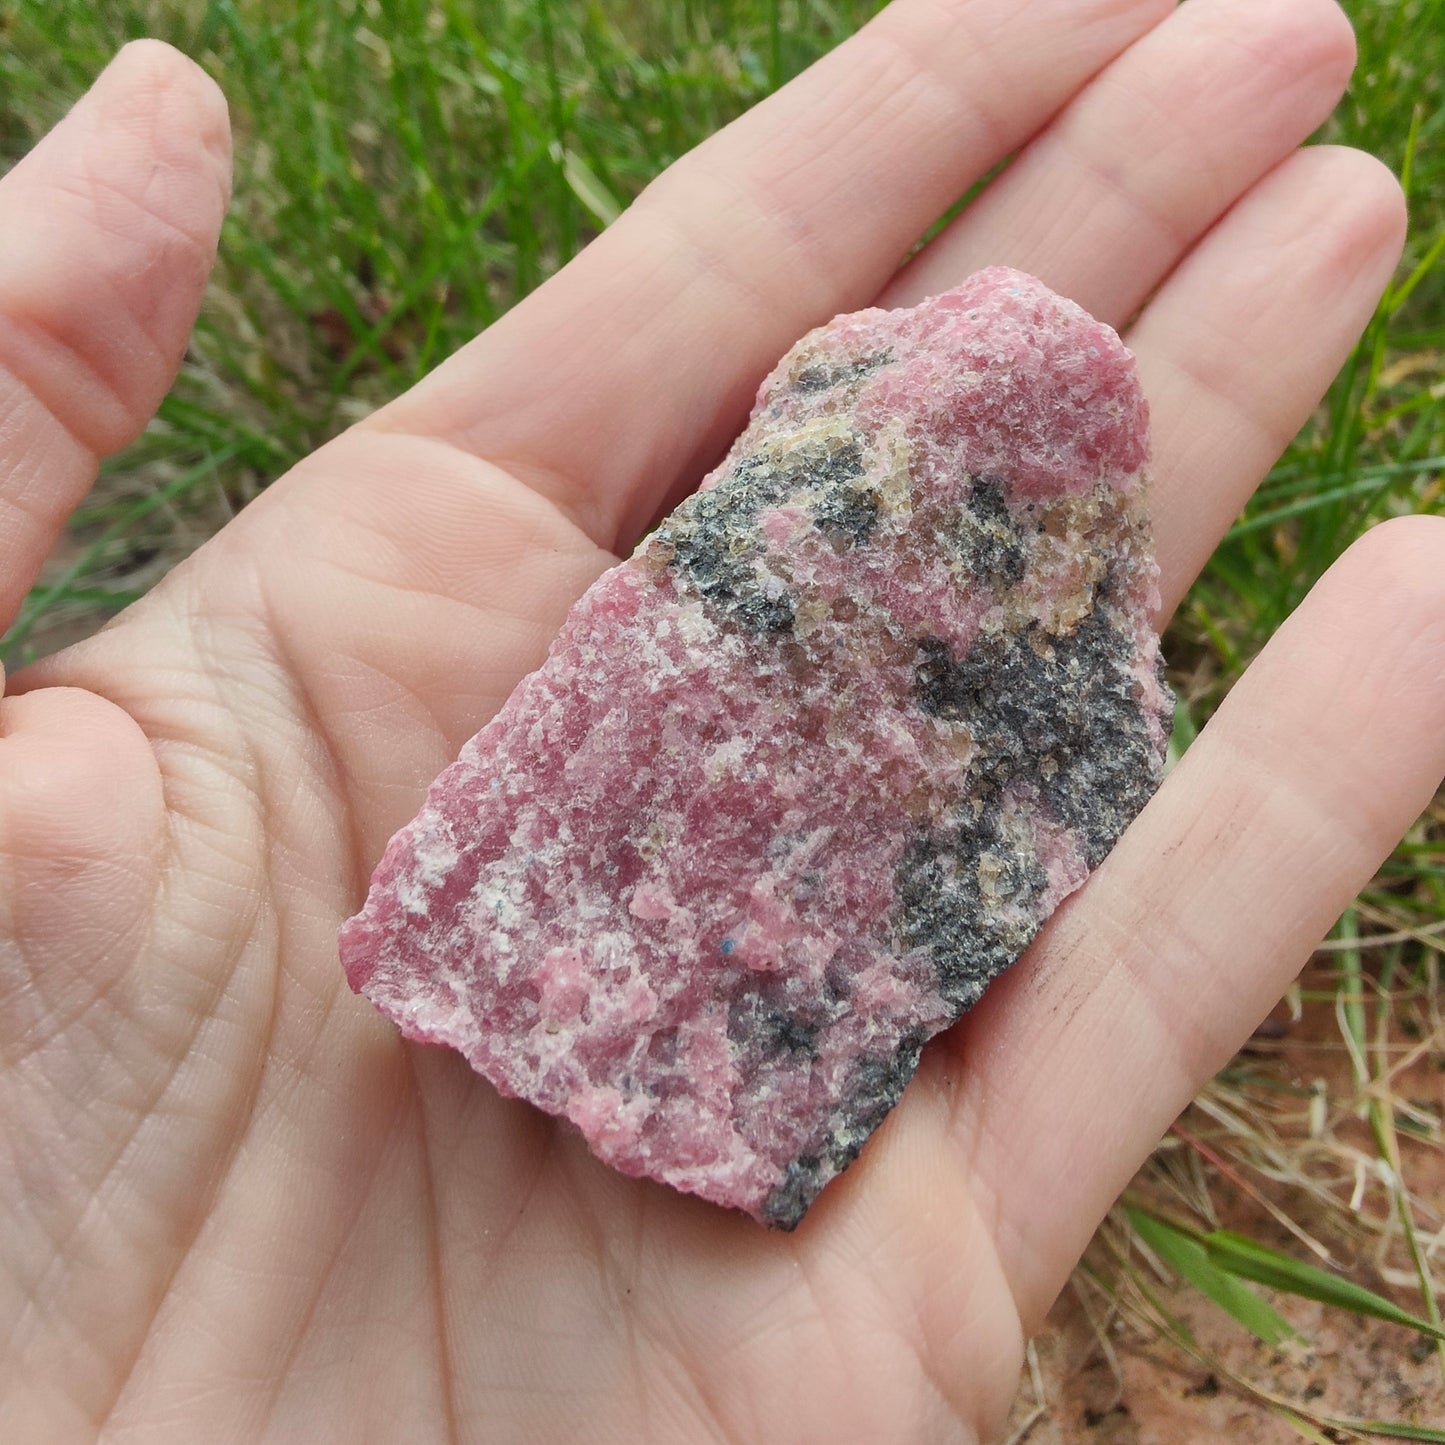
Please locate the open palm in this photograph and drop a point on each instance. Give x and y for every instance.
(233, 1204)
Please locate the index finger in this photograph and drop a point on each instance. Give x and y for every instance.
(628, 373)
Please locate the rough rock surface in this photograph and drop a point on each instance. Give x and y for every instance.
(806, 772)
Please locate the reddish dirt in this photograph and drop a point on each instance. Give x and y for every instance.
(1342, 1366)
(1139, 1390)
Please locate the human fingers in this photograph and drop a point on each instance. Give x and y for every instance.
(1103, 203)
(1234, 352)
(628, 373)
(107, 234)
(1139, 989)
(1241, 342)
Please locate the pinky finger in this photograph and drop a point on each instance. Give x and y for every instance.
(1316, 764)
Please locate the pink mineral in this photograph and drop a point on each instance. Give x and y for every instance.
(810, 769)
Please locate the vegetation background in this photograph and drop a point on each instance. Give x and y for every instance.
(407, 169)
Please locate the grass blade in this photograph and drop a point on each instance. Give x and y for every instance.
(1303, 1428)
(1244, 1259)
(1392, 1429)
(584, 184)
(1184, 1253)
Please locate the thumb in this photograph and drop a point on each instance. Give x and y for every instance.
(108, 231)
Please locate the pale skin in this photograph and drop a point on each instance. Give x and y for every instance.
(233, 1204)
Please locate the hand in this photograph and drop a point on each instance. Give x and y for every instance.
(233, 1204)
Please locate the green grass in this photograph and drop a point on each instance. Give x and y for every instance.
(408, 169)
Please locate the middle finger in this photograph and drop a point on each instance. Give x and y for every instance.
(1106, 200)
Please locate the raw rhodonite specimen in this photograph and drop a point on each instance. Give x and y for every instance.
(803, 775)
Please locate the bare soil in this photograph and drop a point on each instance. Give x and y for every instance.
(1108, 1381)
